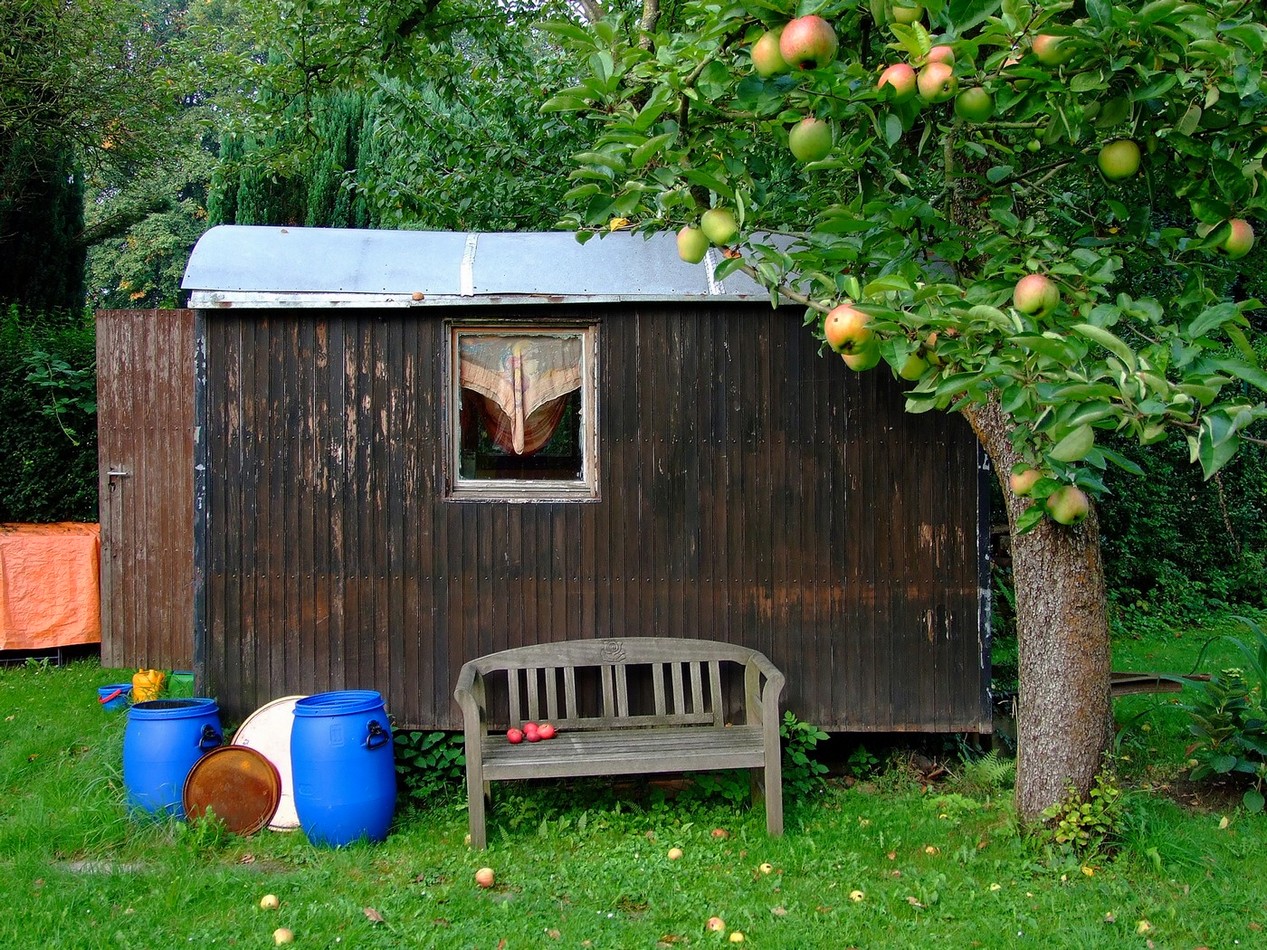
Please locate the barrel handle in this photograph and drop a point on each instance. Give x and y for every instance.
(209, 738)
(378, 736)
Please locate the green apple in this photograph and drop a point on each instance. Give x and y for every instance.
(1035, 294)
(937, 82)
(766, 58)
(1052, 50)
(1068, 504)
(913, 367)
(719, 225)
(810, 139)
(1119, 160)
(974, 105)
(847, 329)
(1240, 238)
(901, 78)
(864, 358)
(808, 42)
(907, 14)
(692, 245)
(1022, 482)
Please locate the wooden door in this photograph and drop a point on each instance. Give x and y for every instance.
(145, 419)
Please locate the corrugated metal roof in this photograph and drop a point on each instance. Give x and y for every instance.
(241, 266)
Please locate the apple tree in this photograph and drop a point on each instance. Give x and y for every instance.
(1034, 214)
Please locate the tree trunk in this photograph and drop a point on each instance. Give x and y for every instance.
(1064, 715)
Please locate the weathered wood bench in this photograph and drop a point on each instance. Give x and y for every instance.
(594, 692)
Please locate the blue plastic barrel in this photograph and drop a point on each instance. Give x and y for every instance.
(163, 741)
(343, 767)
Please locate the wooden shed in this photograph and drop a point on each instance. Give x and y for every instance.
(414, 448)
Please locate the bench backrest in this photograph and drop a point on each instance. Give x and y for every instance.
(604, 684)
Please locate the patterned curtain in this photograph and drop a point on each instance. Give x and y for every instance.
(524, 382)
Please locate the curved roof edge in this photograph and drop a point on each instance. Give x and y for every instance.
(247, 266)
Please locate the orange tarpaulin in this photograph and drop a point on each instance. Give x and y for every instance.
(49, 593)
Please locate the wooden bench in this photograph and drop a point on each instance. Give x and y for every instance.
(632, 706)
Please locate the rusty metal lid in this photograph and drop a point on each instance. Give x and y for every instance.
(239, 784)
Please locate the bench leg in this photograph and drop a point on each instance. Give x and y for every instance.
(475, 805)
(772, 776)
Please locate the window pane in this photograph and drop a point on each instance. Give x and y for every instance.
(521, 408)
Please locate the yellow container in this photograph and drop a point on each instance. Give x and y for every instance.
(147, 685)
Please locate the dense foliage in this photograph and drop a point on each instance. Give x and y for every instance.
(48, 442)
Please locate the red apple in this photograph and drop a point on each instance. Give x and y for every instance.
(902, 78)
(1240, 238)
(937, 82)
(1035, 294)
(767, 61)
(941, 54)
(715, 925)
(514, 736)
(1022, 482)
(846, 329)
(1052, 50)
(484, 877)
(546, 731)
(808, 42)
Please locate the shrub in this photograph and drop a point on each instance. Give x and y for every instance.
(48, 442)
(1229, 721)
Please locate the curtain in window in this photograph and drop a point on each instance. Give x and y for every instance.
(525, 382)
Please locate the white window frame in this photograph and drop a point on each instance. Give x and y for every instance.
(584, 488)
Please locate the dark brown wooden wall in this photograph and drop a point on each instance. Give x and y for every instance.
(752, 491)
(145, 396)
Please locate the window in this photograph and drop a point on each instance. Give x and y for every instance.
(523, 416)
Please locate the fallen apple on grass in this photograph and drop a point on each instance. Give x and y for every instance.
(485, 877)
(283, 935)
(715, 925)
(270, 902)
(675, 854)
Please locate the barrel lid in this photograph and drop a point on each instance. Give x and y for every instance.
(239, 784)
(267, 731)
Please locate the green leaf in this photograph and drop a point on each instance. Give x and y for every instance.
(1075, 446)
(1243, 371)
(1214, 317)
(1110, 341)
(648, 149)
(1253, 800)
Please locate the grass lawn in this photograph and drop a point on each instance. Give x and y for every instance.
(891, 861)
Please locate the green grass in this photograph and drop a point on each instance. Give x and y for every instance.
(582, 865)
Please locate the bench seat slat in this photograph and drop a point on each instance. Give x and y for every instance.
(625, 752)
